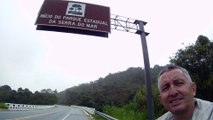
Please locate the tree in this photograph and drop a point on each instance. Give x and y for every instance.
(25, 96)
(198, 60)
(5, 93)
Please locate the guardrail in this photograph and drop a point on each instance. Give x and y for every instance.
(93, 111)
(12, 106)
(105, 115)
(87, 109)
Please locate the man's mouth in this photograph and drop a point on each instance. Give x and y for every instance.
(176, 100)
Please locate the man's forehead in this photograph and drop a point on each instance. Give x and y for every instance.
(173, 72)
(171, 75)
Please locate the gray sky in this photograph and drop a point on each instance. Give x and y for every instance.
(41, 59)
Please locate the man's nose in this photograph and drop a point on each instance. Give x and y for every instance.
(173, 91)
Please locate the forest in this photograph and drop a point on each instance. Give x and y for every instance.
(25, 96)
(123, 93)
(115, 89)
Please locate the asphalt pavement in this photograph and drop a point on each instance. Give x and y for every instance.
(57, 113)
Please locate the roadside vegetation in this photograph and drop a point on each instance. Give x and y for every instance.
(137, 108)
(25, 96)
(125, 113)
(98, 117)
(3, 106)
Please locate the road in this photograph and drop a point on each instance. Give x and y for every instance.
(58, 113)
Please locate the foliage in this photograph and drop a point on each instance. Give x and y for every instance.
(25, 96)
(125, 113)
(5, 93)
(123, 90)
(3, 106)
(140, 101)
(198, 60)
(115, 89)
(158, 107)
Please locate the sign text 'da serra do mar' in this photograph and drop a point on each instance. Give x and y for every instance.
(74, 17)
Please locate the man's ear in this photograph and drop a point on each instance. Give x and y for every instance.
(194, 88)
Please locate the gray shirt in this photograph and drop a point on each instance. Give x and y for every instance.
(203, 111)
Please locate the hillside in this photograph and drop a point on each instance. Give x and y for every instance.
(115, 89)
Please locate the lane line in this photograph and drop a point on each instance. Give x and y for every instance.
(67, 115)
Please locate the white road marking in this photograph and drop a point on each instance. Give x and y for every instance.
(67, 115)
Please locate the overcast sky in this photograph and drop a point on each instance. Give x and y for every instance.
(40, 59)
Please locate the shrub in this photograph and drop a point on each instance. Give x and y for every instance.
(3, 106)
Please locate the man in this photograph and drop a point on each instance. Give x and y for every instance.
(177, 93)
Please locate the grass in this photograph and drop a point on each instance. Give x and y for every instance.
(125, 113)
(98, 117)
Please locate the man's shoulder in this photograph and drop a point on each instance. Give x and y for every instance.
(166, 116)
(204, 110)
(203, 104)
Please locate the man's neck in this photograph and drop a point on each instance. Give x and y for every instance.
(182, 117)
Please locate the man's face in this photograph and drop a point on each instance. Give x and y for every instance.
(176, 93)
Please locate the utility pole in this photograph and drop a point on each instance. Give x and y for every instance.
(137, 27)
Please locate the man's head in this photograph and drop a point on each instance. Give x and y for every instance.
(176, 88)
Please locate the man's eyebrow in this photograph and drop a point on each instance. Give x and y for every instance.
(178, 79)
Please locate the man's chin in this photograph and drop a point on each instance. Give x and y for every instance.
(177, 106)
(177, 109)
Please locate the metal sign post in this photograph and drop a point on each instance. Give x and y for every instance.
(147, 71)
(137, 26)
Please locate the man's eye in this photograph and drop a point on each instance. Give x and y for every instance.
(165, 88)
(179, 83)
